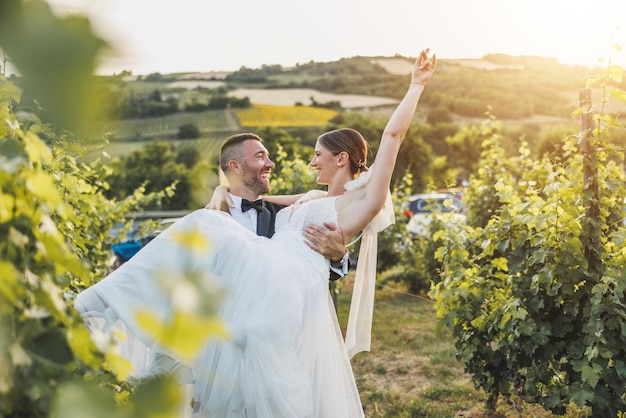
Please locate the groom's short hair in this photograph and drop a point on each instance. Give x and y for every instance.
(230, 148)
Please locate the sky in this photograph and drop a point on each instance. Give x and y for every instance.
(169, 36)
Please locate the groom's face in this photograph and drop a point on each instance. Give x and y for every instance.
(256, 167)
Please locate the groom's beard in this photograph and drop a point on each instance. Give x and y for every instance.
(253, 181)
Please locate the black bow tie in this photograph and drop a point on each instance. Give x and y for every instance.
(247, 205)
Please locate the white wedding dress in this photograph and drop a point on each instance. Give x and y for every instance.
(286, 356)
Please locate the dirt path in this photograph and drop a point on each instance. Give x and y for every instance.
(231, 119)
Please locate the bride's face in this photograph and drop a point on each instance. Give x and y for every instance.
(325, 163)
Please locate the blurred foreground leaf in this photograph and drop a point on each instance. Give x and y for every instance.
(76, 397)
(56, 57)
(160, 397)
(185, 334)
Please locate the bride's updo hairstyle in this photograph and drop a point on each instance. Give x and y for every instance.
(350, 141)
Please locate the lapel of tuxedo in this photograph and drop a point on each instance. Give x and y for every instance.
(266, 220)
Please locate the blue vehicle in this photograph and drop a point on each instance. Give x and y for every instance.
(137, 238)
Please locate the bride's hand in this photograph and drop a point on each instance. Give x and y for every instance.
(424, 68)
(220, 195)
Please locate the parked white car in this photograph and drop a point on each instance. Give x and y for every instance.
(425, 207)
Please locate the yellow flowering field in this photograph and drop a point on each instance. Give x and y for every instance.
(284, 116)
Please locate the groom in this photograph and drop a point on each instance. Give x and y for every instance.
(246, 164)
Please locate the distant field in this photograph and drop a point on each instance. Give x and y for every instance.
(215, 125)
(212, 120)
(143, 87)
(289, 97)
(482, 64)
(207, 146)
(211, 75)
(284, 116)
(397, 66)
(192, 84)
(402, 66)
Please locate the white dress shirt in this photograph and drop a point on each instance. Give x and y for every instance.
(247, 218)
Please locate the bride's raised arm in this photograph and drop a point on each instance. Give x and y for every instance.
(360, 211)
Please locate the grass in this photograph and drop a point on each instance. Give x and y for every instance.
(412, 371)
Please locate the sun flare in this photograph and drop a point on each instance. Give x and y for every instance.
(575, 32)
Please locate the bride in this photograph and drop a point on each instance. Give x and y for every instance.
(285, 356)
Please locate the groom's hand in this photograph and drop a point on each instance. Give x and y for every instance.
(326, 240)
